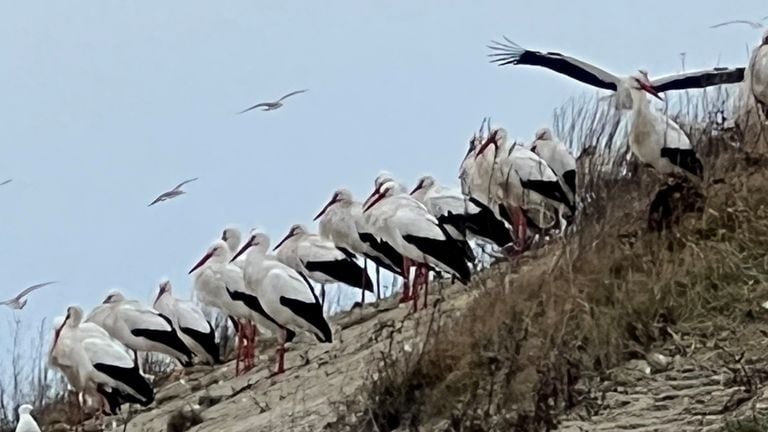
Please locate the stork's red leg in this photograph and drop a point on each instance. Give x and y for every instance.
(238, 348)
(365, 274)
(426, 285)
(406, 283)
(280, 352)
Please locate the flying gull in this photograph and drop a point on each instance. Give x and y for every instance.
(271, 106)
(6, 182)
(20, 301)
(173, 193)
(753, 24)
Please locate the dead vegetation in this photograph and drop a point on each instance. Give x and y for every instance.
(543, 328)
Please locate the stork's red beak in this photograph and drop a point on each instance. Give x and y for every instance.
(58, 332)
(202, 261)
(290, 234)
(251, 242)
(652, 91)
(372, 201)
(490, 140)
(333, 201)
(418, 186)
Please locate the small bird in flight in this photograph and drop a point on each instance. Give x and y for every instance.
(271, 106)
(753, 24)
(20, 301)
(6, 182)
(173, 193)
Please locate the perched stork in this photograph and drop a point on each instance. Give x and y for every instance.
(140, 328)
(523, 182)
(408, 226)
(321, 260)
(284, 295)
(342, 222)
(554, 153)
(461, 214)
(94, 362)
(510, 53)
(217, 284)
(196, 332)
(757, 80)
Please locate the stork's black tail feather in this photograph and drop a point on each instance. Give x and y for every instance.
(345, 271)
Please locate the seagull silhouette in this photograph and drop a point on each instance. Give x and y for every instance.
(6, 182)
(753, 24)
(173, 193)
(20, 301)
(271, 106)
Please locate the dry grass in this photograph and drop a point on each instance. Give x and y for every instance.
(609, 292)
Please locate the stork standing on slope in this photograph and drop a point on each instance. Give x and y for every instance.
(284, 295)
(321, 260)
(190, 323)
(461, 214)
(408, 226)
(140, 328)
(757, 76)
(342, 222)
(523, 183)
(96, 364)
(217, 283)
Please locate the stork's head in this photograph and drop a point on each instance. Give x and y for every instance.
(640, 81)
(765, 38)
(295, 230)
(256, 239)
(73, 318)
(383, 177)
(340, 196)
(544, 134)
(114, 296)
(496, 137)
(378, 194)
(425, 182)
(25, 409)
(231, 235)
(165, 288)
(218, 251)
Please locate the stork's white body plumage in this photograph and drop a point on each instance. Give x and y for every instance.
(284, 295)
(757, 75)
(413, 231)
(656, 140)
(190, 323)
(462, 215)
(94, 361)
(557, 156)
(139, 327)
(320, 259)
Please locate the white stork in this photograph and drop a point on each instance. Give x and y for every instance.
(757, 76)
(557, 156)
(140, 328)
(216, 283)
(94, 362)
(523, 182)
(408, 226)
(284, 295)
(190, 323)
(510, 53)
(321, 260)
(460, 213)
(657, 140)
(342, 222)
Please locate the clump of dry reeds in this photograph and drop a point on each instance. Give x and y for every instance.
(609, 292)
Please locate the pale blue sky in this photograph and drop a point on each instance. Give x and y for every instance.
(105, 103)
